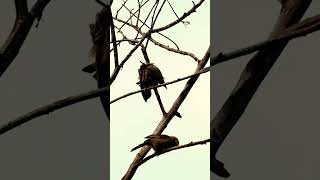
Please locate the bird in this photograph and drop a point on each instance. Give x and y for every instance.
(149, 75)
(159, 142)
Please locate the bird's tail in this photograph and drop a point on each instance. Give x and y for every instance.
(139, 146)
(146, 94)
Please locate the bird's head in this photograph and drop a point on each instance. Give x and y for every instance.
(175, 140)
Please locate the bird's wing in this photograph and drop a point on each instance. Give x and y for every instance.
(162, 136)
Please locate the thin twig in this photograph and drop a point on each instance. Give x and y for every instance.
(145, 19)
(172, 149)
(159, 101)
(143, 24)
(139, 11)
(154, 19)
(114, 40)
(178, 51)
(117, 69)
(146, 57)
(132, 14)
(121, 7)
(183, 22)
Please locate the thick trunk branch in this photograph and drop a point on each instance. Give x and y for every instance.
(251, 78)
(23, 23)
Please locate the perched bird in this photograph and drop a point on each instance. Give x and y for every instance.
(159, 142)
(149, 75)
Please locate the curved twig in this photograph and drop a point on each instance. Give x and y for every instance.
(172, 149)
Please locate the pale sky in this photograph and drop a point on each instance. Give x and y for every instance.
(72, 143)
(132, 119)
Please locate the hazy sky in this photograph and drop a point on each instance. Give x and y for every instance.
(277, 136)
(71, 143)
(133, 119)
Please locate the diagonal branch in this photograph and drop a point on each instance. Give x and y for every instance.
(167, 118)
(11, 47)
(305, 27)
(186, 14)
(250, 80)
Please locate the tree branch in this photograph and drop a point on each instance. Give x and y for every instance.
(178, 51)
(167, 118)
(117, 69)
(204, 70)
(186, 14)
(11, 47)
(21, 8)
(76, 99)
(50, 108)
(303, 28)
(250, 79)
(173, 148)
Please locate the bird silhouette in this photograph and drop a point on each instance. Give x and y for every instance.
(149, 75)
(159, 142)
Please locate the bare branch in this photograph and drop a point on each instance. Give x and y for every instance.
(172, 149)
(121, 7)
(143, 24)
(167, 118)
(204, 70)
(183, 22)
(154, 19)
(178, 51)
(50, 108)
(114, 40)
(186, 14)
(250, 79)
(146, 57)
(21, 8)
(159, 101)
